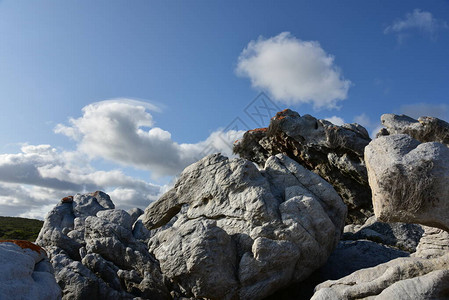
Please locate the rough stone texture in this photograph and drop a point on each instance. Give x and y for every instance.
(425, 129)
(399, 235)
(230, 231)
(348, 257)
(402, 278)
(409, 180)
(333, 152)
(94, 252)
(26, 272)
(434, 243)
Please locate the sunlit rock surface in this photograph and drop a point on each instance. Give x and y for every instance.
(26, 272)
(94, 252)
(333, 152)
(234, 232)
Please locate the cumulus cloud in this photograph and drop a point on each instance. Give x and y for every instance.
(293, 71)
(123, 132)
(419, 21)
(336, 120)
(32, 181)
(417, 110)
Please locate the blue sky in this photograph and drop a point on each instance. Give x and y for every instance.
(121, 96)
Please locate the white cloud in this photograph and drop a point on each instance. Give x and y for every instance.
(34, 180)
(417, 110)
(121, 132)
(421, 21)
(293, 71)
(336, 120)
(27, 201)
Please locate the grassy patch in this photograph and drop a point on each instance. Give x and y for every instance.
(14, 228)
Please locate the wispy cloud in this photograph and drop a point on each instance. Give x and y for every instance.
(123, 132)
(293, 71)
(418, 21)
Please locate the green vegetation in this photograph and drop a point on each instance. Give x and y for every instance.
(19, 228)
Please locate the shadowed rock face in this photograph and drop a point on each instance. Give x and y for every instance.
(229, 231)
(333, 152)
(401, 278)
(95, 254)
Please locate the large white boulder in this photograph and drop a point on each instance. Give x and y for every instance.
(409, 180)
(230, 231)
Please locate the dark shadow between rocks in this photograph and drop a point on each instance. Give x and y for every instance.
(348, 257)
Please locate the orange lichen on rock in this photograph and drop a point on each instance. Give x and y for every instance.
(280, 115)
(67, 199)
(263, 129)
(95, 194)
(25, 245)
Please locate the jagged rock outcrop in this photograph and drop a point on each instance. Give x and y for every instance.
(425, 129)
(409, 180)
(333, 152)
(229, 231)
(26, 272)
(94, 252)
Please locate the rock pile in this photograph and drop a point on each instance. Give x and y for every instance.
(333, 152)
(409, 181)
(225, 231)
(231, 230)
(94, 252)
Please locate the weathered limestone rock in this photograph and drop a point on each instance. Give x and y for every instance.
(402, 278)
(94, 252)
(409, 180)
(434, 243)
(399, 235)
(26, 272)
(425, 129)
(348, 257)
(229, 231)
(333, 152)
